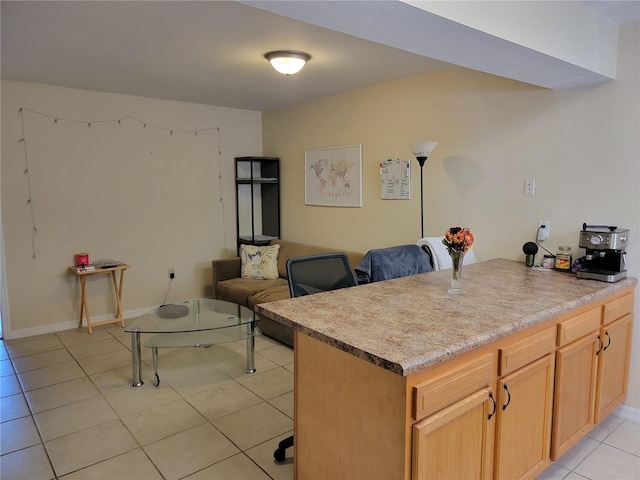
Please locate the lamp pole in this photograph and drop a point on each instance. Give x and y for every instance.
(421, 161)
(421, 150)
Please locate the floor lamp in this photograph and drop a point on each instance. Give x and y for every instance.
(422, 150)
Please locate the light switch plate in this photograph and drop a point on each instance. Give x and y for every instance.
(530, 187)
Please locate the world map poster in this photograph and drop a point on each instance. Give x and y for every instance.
(333, 176)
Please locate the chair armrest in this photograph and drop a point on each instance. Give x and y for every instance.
(224, 269)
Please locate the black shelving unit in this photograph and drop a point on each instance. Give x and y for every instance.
(257, 200)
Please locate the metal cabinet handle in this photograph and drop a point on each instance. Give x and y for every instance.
(608, 338)
(599, 345)
(494, 406)
(506, 389)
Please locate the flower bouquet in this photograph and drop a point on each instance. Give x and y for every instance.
(458, 241)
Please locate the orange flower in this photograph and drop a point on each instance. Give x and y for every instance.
(458, 239)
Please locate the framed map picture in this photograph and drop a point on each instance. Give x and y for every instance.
(333, 176)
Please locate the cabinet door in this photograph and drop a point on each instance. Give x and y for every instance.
(523, 428)
(455, 442)
(574, 393)
(613, 366)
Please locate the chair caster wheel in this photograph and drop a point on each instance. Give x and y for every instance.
(156, 382)
(279, 454)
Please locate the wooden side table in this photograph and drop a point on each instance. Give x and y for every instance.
(117, 286)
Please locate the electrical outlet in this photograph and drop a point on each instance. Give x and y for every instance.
(530, 187)
(543, 230)
(172, 273)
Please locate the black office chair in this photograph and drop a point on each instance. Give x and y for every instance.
(314, 274)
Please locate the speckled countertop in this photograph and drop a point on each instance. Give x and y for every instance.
(409, 323)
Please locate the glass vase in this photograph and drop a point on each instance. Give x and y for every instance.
(456, 281)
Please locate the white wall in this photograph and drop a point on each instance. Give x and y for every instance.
(137, 194)
(581, 145)
(153, 200)
(570, 31)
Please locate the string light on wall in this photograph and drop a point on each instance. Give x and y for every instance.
(221, 199)
(57, 120)
(117, 121)
(34, 229)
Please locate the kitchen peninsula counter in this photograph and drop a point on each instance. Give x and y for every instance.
(410, 323)
(400, 380)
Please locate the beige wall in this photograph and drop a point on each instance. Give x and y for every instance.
(137, 194)
(582, 146)
(153, 200)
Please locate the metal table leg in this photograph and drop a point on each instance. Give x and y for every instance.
(251, 349)
(154, 355)
(136, 362)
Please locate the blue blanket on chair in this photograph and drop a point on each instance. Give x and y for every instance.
(392, 262)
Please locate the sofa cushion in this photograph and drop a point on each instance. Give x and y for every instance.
(281, 292)
(238, 290)
(259, 262)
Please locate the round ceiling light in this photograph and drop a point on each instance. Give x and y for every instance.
(287, 62)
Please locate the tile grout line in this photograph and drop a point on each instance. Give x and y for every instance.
(182, 396)
(120, 418)
(122, 423)
(31, 415)
(600, 443)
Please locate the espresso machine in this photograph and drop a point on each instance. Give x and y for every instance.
(605, 258)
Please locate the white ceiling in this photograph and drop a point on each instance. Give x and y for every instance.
(208, 52)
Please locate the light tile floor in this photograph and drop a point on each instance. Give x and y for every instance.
(68, 412)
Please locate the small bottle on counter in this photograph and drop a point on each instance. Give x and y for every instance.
(563, 259)
(548, 261)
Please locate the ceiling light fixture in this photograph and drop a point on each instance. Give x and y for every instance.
(287, 62)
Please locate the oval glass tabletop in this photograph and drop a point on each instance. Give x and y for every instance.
(200, 314)
(200, 322)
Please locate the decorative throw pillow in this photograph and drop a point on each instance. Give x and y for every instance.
(259, 262)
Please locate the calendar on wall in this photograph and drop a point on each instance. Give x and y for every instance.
(395, 180)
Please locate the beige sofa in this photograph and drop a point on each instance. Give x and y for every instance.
(228, 285)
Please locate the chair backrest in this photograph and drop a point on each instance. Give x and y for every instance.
(440, 259)
(319, 273)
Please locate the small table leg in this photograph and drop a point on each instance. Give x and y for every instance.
(117, 287)
(251, 350)
(136, 362)
(84, 311)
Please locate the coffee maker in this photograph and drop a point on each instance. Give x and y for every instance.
(605, 258)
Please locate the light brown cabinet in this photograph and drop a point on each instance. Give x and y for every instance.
(574, 393)
(455, 439)
(502, 411)
(455, 442)
(453, 384)
(613, 366)
(525, 402)
(613, 362)
(470, 431)
(592, 366)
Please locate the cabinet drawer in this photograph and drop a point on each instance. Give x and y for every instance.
(579, 326)
(451, 386)
(526, 351)
(618, 308)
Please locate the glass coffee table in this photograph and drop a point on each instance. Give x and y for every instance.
(200, 322)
